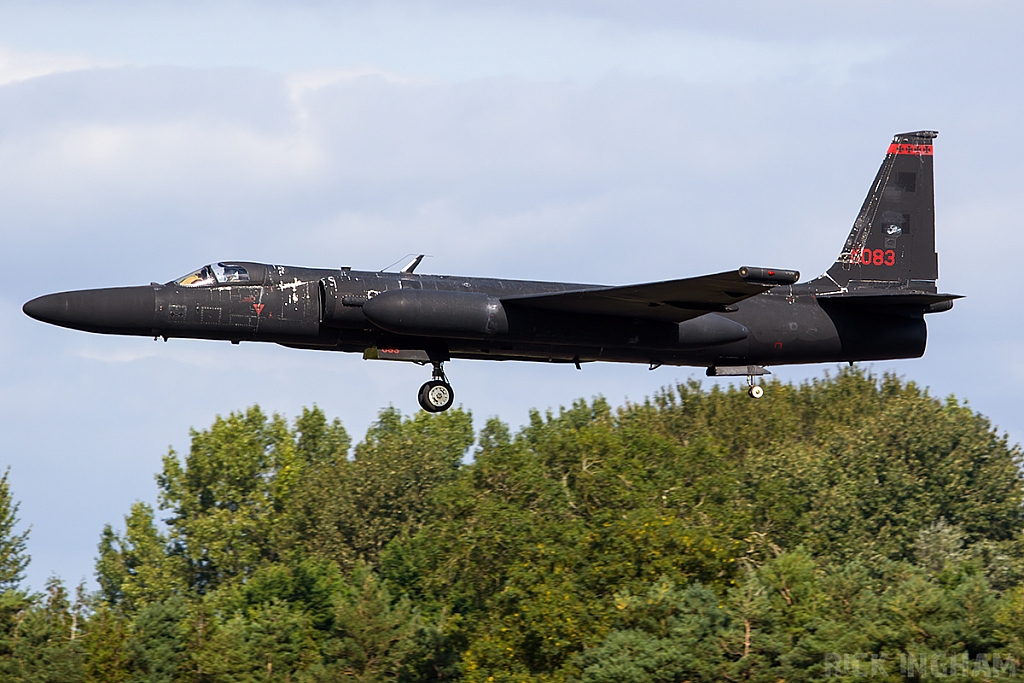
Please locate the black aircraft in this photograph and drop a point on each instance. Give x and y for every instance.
(869, 305)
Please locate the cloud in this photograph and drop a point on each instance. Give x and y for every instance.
(168, 158)
(17, 65)
(458, 42)
(181, 164)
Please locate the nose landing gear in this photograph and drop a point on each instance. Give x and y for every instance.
(436, 396)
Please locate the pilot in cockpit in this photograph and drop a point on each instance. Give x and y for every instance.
(218, 273)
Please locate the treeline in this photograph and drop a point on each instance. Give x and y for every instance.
(846, 529)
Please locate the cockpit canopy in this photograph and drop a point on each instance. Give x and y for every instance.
(216, 274)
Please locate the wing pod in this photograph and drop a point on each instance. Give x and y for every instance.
(769, 276)
(710, 330)
(437, 313)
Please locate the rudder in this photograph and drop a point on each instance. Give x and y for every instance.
(893, 239)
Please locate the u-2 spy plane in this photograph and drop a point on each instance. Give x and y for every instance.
(870, 305)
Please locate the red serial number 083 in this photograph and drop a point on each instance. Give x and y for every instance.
(876, 257)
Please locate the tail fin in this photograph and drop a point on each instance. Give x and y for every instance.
(893, 239)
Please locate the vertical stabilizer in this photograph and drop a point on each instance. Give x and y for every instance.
(892, 243)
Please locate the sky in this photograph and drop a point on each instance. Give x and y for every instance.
(605, 142)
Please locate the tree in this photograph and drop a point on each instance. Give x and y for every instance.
(275, 641)
(830, 529)
(228, 495)
(353, 509)
(41, 638)
(665, 636)
(13, 556)
(376, 637)
(137, 569)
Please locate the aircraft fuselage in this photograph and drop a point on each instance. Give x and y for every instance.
(324, 309)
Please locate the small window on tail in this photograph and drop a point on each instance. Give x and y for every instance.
(894, 224)
(906, 181)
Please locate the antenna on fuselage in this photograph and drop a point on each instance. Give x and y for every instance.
(409, 267)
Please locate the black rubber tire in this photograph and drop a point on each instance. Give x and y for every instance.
(755, 391)
(436, 396)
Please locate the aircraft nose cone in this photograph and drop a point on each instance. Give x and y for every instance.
(121, 310)
(45, 308)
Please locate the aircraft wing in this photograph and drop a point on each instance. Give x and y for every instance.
(671, 300)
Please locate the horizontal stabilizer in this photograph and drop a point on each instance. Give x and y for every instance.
(671, 300)
(899, 298)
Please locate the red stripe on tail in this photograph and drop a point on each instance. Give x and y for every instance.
(920, 150)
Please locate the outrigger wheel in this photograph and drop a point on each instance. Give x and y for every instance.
(755, 390)
(436, 396)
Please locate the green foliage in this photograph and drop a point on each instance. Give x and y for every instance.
(135, 569)
(847, 466)
(666, 635)
(13, 558)
(228, 495)
(849, 528)
(41, 636)
(274, 641)
(793, 620)
(375, 636)
(353, 509)
(105, 644)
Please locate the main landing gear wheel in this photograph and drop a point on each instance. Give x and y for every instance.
(436, 396)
